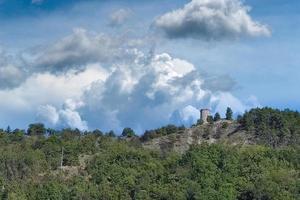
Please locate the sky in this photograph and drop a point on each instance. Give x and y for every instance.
(110, 64)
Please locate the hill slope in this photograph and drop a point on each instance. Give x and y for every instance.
(69, 164)
(223, 131)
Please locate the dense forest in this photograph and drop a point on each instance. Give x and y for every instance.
(42, 163)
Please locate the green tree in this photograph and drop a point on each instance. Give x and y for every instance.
(51, 131)
(98, 132)
(99, 167)
(210, 119)
(272, 126)
(8, 129)
(111, 133)
(51, 190)
(239, 118)
(229, 113)
(70, 134)
(217, 117)
(199, 122)
(36, 129)
(128, 132)
(17, 135)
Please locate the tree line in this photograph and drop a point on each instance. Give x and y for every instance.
(273, 127)
(99, 165)
(122, 169)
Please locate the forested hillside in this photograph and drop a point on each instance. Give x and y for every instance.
(42, 163)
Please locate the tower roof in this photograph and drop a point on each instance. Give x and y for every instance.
(205, 109)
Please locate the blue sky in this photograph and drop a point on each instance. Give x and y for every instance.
(56, 55)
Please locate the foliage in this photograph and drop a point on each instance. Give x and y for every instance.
(116, 169)
(210, 119)
(272, 126)
(224, 125)
(199, 122)
(128, 132)
(229, 114)
(111, 133)
(163, 131)
(101, 166)
(36, 129)
(217, 117)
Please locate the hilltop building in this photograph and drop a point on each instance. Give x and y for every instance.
(204, 113)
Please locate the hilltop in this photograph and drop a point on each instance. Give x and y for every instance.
(223, 131)
(253, 157)
(264, 126)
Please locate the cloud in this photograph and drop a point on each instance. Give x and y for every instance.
(211, 20)
(119, 17)
(186, 116)
(151, 94)
(219, 83)
(72, 53)
(252, 102)
(48, 115)
(88, 80)
(81, 48)
(10, 74)
(221, 100)
(67, 117)
(20, 105)
(136, 95)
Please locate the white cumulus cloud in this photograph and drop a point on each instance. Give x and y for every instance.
(88, 80)
(48, 114)
(19, 105)
(151, 94)
(211, 20)
(66, 117)
(186, 116)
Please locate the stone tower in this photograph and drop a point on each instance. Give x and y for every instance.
(204, 113)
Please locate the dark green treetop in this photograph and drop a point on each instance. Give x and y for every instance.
(229, 113)
(128, 132)
(217, 117)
